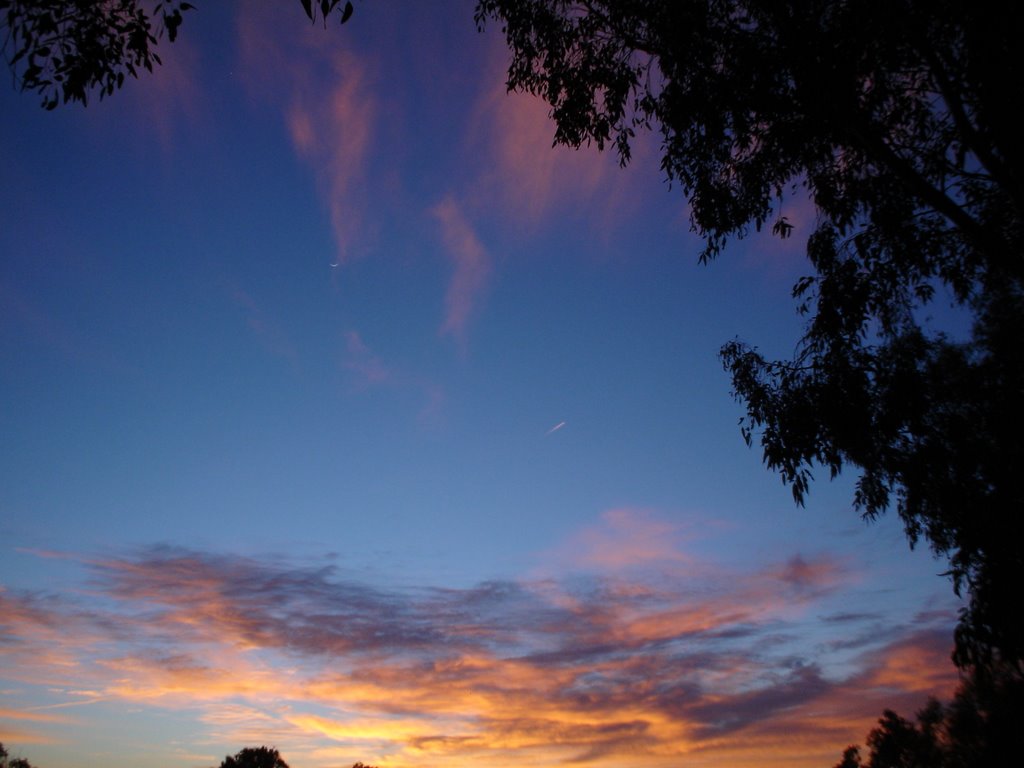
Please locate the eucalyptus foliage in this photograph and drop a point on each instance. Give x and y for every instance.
(68, 50)
(65, 50)
(897, 120)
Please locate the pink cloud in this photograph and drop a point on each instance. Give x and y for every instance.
(369, 370)
(433, 407)
(529, 175)
(472, 268)
(172, 96)
(533, 180)
(323, 92)
(272, 336)
(625, 538)
(368, 367)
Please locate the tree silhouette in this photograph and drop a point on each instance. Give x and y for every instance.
(980, 728)
(254, 757)
(894, 120)
(17, 762)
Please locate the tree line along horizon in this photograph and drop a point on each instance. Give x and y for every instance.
(247, 757)
(897, 120)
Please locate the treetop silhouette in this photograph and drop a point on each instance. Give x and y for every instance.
(254, 757)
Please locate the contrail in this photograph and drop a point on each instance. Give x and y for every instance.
(555, 428)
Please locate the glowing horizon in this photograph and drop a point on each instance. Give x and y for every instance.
(651, 656)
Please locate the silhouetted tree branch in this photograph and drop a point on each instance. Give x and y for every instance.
(67, 50)
(894, 119)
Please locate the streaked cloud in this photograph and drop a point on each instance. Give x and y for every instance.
(626, 537)
(18, 726)
(368, 368)
(172, 98)
(266, 330)
(595, 666)
(472, 268)
(327, 107)
(530, 177)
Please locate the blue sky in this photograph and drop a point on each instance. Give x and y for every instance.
(343, 413)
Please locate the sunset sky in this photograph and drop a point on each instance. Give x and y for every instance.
(343, 414)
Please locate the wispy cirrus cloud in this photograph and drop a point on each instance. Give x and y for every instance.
(472, 268)
(328, 109)
(589, 667)
(531, 178)
(16, 728)
(368, 367)
(268, 332)
(533, 181)
(625, 538)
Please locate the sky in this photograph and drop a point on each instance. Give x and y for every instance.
(342, 413)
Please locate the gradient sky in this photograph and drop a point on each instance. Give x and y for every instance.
(342, 413)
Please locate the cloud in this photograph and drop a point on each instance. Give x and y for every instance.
(625, 538)
(323, 92)
(533, 181)
(530, 177)
(267, 332)
(368, 368)
(172, 95)
(16, 726)
(472, 268)
(593, 667)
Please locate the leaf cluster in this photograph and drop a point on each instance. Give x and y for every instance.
(326, 8)
(66, 50)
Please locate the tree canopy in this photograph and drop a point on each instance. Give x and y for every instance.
(254, 757)
(896, 121)
(979, 727)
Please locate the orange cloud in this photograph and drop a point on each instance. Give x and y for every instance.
(472, 268)
(592, 668)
